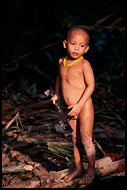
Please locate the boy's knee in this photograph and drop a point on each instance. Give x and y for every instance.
(88, 145)
(87, 141)
(76, 142)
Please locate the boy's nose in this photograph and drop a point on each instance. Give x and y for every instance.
(76, 47)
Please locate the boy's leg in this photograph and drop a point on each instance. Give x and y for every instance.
(77, 152)
(86, 118)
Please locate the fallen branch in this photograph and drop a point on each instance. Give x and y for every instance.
(37, 112)
(39, 104)
(34, 52)
(16, 169)
(105, 18)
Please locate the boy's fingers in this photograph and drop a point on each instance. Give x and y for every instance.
(53, 101)
(75, 116)
(71, 113)
(70, 107)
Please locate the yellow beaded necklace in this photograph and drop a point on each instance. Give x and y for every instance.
(74, 62)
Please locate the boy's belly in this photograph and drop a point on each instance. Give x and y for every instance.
(72, 94)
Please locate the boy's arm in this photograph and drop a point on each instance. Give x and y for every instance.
(57, 86)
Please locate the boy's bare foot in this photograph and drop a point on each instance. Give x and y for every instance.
(88, 177)
(73, 175)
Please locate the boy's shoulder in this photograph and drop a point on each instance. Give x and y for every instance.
(85, 62)
(61, 60)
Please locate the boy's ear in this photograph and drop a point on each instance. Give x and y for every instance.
(86, 49)
(65, 43)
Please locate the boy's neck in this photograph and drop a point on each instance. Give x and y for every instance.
(71, 58)
(66, 65)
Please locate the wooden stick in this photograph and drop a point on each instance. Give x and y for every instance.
(12, 120)
(61, 115)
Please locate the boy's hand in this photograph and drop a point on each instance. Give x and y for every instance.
(75, 110)
(55, 98)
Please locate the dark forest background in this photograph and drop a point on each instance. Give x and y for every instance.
(33, 32)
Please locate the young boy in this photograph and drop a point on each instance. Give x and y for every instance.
(76, 81)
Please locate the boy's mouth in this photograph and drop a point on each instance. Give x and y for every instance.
(75, 54)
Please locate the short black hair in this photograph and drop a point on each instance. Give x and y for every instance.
(78, 27)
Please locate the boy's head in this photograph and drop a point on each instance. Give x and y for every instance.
(78, 28)
(77, 42)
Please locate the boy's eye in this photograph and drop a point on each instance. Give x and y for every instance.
(73, 43)
(82, 45)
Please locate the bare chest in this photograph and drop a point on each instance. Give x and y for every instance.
(71, 73)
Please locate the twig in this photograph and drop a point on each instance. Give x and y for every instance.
(105, 18)
(8, 86)
(15, 118)
(33, 52)
(116, 21)
(98, 145)
(19, 119)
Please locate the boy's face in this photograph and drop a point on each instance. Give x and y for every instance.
(76, 44)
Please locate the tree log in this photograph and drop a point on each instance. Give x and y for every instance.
(103, 167)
